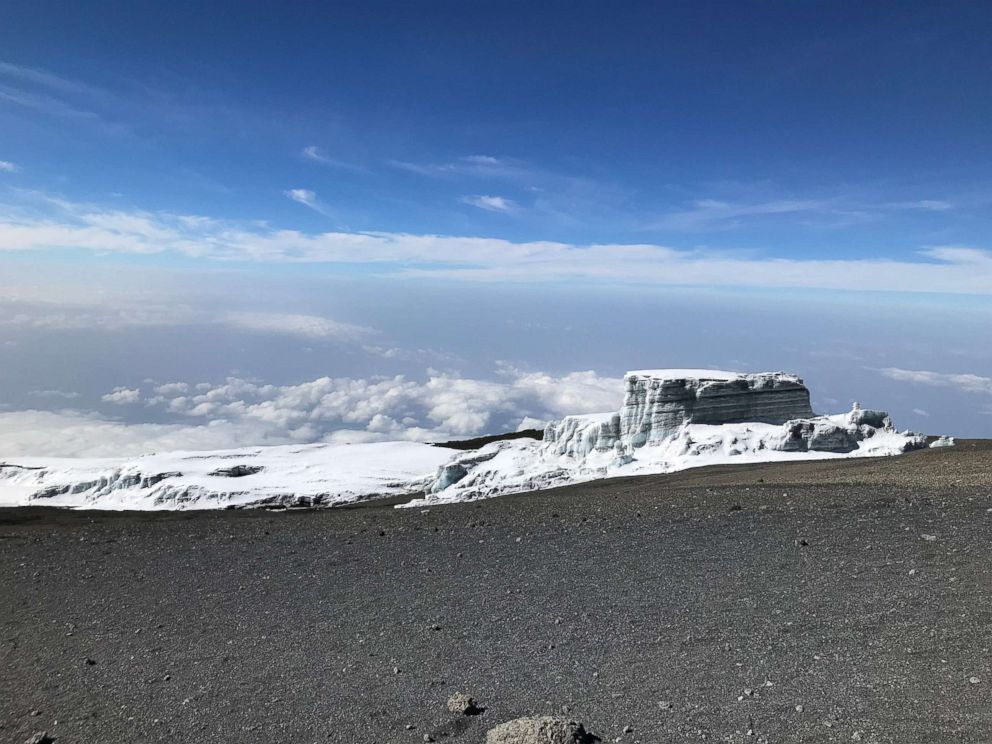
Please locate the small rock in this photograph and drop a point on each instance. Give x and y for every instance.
(428, 737)
(539, 730)
(974, 680)
(41, 737)
(799, 709)
(929, 538)
(628, 729)
(463, 704)
(857, 736)
(89, 661)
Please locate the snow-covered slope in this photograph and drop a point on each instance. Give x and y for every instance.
(517, 466)
(670, 420)
(290, 475)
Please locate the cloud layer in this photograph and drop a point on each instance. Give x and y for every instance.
(241, 412)
(966, 382)
(78, 227)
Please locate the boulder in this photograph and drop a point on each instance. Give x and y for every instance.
(539, 730)
(463, 704)
(42, 737)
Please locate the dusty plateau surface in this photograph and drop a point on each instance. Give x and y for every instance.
(837, 600)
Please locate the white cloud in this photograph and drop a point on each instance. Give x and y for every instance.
(306, 197)
(709, 214)
(171, 388)
(309, 199)
(8, 167)
(491, 203)
(307, 326)
(314, 153)
(240, 412)
(921, 412)
(121, 313)
(122, 396)
(962, 381)
(81, 434)
(716, 214)
(478, 166)
(947, 269)
(46, 317)
(440, 407)
(53, 394)
(926, 205)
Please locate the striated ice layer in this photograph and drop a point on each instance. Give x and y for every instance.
(657, 402)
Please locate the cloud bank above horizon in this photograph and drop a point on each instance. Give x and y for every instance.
(239, 412)
(93, 230)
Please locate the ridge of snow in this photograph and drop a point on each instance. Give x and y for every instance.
(288, 475)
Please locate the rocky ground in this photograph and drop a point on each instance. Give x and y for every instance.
(839, 601)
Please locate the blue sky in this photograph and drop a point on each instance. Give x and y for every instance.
(789, 128)
(435, 178)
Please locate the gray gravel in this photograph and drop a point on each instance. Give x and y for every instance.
(777, 603)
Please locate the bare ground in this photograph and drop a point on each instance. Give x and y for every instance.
(837, 601)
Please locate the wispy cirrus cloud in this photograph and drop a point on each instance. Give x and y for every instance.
(295, 324)
(316, 155)
(119, 314)
(48, 80)
(54, 95)
(124, 107)
(64, 225)
(707, 214)
(925, 205)
(479, 166)
(964, 381)
(491, 203)
(8, 167)
(63, 394)
(703, 215)
(307, 198)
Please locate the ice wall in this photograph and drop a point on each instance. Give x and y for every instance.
(658, 402)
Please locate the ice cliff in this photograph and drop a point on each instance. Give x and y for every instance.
(669, 420)
(657, 403)
(672, 419)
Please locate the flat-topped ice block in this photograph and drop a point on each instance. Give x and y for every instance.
(657, 402)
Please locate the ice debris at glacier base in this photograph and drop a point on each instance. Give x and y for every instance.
(670, 420)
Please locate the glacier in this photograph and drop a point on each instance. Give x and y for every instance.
(312, 475)
(674, 419)
(670, 419)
